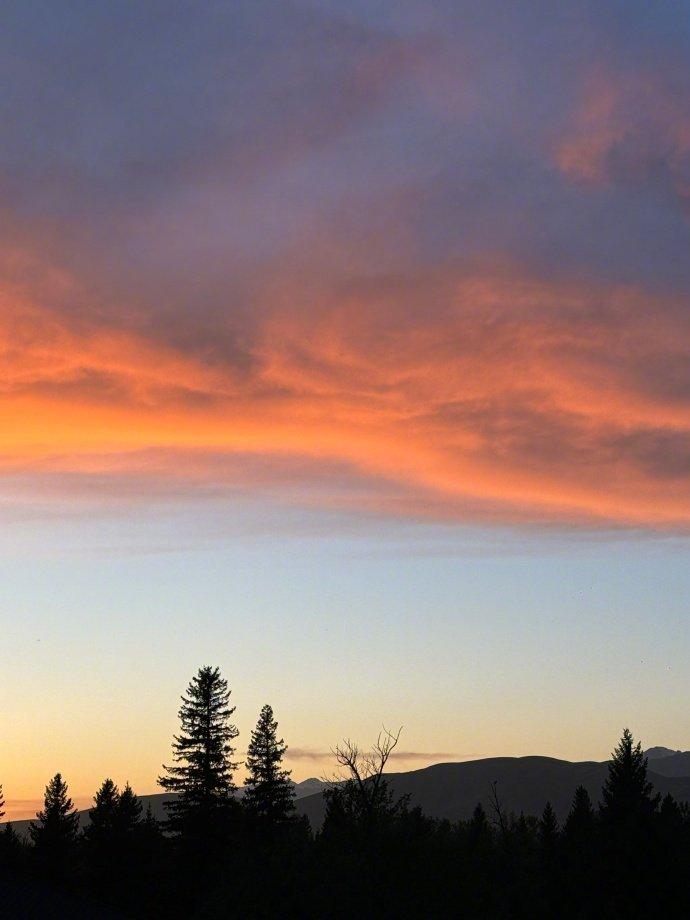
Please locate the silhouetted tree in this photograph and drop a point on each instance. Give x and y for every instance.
(103, 815)
(269, 793)
(628, 797)
(627, 813)
(362, 801)
(202, 773)
(478, 828)
(10, 839)
(670, 814)
(2, 805)
(548, 829)
(128, 812)
(11, 851)
(54, 834)
(150, 827)
(579, 825)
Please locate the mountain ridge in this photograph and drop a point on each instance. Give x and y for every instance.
(452, 790)
(524, 784)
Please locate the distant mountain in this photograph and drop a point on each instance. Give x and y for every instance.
(452, 790)
(658, 753)
(675, 763)
(308, 787)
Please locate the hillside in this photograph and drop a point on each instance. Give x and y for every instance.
(452, 790)
(674, 763)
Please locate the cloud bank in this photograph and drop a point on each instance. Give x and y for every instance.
(427, 263)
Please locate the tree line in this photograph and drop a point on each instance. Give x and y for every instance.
(218, 854)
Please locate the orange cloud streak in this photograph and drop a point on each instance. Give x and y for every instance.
(517, 399)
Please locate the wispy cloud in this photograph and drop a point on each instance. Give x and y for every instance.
(348, 261)
(409, 756)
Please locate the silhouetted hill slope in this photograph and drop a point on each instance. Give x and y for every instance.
(452, 790)
(658, 753)
(676, 763)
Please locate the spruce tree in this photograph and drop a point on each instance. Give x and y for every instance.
(579, 824)
(10, 839)
(478, 828)
(11, 848)
(548, 834)
(628, 798)
(201, 775)
(627, 813)
(149, 827)
(548, 827)
(128, 812)
(104, 813)
(54, 834)
(269, 792)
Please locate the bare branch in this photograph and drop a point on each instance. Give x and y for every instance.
(498, 809)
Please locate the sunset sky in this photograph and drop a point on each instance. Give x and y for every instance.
(345, 345)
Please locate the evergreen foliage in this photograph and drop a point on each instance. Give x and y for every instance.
(10, 838)
(478, 827)
(103, 815)
(579, 824)
(149, 827)
(128, 812)
(202, 772)
(54, 833)
(628, 796)
(548, 828)
(269, 793)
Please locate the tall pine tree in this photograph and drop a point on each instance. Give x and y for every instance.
(128, 812)
(104, 813)
(54, 833)
(548, 829)
(201, 775)
(628, 798)
(269, 792)
(579, 825)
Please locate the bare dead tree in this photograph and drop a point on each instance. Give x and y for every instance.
(364, 769)
(497, 809)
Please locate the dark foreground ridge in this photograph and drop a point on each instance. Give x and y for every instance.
(501, 837)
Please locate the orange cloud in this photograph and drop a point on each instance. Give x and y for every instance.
(512, 399)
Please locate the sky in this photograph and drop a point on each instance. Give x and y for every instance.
(346, 346)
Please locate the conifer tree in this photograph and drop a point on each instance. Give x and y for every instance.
(149, 827)
(55, 832)
(627, 793)
(128, 812)
(548, 830)
(579, 825)
(10, 839)
(2, 805)
(478, 828)
(201, 775)
(104, 813)
(269, 792)
(10, 849)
